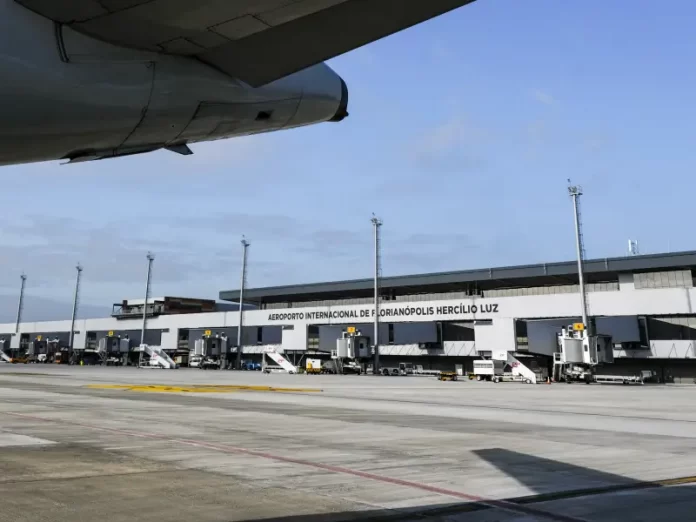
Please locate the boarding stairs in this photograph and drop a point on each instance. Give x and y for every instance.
(520, 369)
(157, 355)
(281, 361)
(101, 351)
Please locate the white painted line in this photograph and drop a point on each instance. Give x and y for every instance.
(14, 439)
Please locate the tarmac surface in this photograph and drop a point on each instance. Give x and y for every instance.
(123, 444)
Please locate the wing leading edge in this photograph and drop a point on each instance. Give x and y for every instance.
(257, 41)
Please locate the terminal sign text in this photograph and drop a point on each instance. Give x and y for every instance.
(402, 311)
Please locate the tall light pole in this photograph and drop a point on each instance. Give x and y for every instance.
(376, 225)
(150, 259)
(20, 305)
(575, 191)
(76, 298)
(245, 247)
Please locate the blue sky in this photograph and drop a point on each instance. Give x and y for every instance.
(462, 133)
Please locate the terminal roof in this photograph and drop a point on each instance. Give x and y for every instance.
(544, 274)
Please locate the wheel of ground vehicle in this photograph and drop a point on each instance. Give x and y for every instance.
(479, 378)
(527, 381)
(496, 379)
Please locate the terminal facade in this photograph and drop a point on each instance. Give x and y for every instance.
(645, 303)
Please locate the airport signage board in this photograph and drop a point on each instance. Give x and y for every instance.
(406, 312)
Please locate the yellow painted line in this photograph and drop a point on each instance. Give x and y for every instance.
(675, 481)
(197, 388)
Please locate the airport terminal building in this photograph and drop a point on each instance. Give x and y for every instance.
(643, 302)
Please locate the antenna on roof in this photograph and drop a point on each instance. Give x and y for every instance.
(633, 247)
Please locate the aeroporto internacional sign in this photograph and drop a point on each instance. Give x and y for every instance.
(455, 311)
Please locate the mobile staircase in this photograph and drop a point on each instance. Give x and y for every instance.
(158, 358)
(280, 360)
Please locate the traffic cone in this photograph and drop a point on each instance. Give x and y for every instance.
(548, 380)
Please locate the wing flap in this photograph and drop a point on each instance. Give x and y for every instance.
(257, 41)
(292, 46)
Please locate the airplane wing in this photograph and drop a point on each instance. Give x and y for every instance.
(256, 41)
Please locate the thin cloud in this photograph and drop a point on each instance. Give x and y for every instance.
(455, 135)
(544, 97)
(442, 52)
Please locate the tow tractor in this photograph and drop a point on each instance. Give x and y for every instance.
(313, 366)
(448, 376)
(209, 363)
(251, 366)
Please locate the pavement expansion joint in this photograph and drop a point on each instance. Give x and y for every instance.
(198, 388)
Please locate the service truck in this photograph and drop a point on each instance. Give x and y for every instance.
(313, 366)
(488, 369)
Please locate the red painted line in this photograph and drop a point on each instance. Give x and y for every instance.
(492, 503)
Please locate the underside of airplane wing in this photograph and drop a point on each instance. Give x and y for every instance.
(256, 41)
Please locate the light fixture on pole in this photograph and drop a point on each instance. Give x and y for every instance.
(376, 225)
(245, 247)
(76, 299)
(575, 191)
(20, 305)
(150, 259)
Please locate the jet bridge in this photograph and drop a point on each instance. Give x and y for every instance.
(212, 346)
(52, 348)
(351, 348)
(579, 354)
(114, 345)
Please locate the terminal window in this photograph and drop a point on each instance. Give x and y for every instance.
(672, 328)
(665, 279)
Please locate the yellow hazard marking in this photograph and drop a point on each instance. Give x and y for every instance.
(197, 388)
(675, 481)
